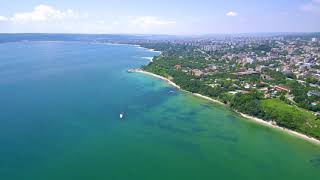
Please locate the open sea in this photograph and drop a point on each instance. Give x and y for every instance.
(59, 120)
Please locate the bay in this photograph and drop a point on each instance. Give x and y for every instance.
(59, 119)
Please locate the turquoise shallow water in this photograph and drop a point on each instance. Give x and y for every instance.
(59, 119)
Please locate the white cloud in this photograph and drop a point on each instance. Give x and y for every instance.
(3, 18)
(45, 18)
(146, 21)
(312, 7)
(42, 13)
(232, 14)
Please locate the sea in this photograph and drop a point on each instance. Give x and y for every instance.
(59, 120)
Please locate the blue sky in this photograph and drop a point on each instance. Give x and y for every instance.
(159, 16)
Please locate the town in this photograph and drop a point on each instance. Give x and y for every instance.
(275, 78)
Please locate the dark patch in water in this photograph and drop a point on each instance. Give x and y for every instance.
(181, 145)
(186, 117)
(150, 99)
(191, 113)
(206, 106)
(186, 146)
(175, 143)
(171, 110)
(231, 118)
(225, 138)
(171, 128)
(198, 130)
(236, 154)
(315, 162)
(175, 112)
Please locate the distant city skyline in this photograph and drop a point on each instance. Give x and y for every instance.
(159, 17)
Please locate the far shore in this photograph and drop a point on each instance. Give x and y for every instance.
(254, 119)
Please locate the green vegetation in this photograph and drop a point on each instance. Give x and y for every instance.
(291, 117)
(219, 79)
(248, 103)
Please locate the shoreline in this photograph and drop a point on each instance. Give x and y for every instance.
(246, 116)
(288, 131)
(155, 75)
(148, 58)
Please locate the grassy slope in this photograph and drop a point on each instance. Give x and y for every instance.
(292, 117)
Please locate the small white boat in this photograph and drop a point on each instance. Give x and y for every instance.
(121, 116)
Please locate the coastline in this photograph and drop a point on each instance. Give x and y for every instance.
(155, 75)
(251, 118)
(148, 58)
(288, 131)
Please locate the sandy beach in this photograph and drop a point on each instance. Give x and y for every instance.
(157, 76)
(152, 50)
(148, 58)
(207, 98)
(291, 132)
(254, 119)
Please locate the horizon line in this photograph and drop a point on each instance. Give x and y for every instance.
(158, 34)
